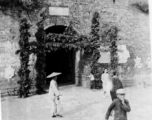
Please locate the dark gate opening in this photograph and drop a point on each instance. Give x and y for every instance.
(62, 60)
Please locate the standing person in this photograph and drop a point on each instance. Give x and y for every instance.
(105, 82)
(120, 106)
(92, 81)
(116, 84)
(54, 94)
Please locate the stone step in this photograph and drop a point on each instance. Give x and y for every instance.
(128, 83)
(146, 81)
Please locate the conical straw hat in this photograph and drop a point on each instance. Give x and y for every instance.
(53, 74)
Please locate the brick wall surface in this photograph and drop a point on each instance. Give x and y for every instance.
(132, 23)
(9, 33)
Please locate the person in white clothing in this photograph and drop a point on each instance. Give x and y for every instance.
(92, 81)
(105, 82)
(54, 94)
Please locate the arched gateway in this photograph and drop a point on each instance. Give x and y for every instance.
(62, 60)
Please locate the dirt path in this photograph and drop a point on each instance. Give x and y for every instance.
(79, 104)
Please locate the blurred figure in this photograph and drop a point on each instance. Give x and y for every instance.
(92, 81)
(105, 82)
(116, 84)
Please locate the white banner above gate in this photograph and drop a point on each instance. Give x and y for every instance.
(59, 11)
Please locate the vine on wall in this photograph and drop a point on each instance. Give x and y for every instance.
(99, 36)
(68, 40)
(95, 41)
(143, 7)
(41, 55)
(113, 48)
(19, 8)
(94, 35)
(109, 38)
(91, 52)
(24, 82)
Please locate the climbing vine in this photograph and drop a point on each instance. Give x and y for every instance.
(17, 8)
(68, 40)
(113, 48)
(95, 41)
(143, 7)
(24, 53)
(114, 1)
(94, 35)
(109, 39)
(41, 55)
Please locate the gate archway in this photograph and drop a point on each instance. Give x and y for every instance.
(62, 60)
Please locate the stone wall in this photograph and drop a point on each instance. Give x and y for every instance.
(133, 32)
(9, 33)
(132, 23)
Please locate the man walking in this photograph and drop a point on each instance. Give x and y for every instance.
(54, 94)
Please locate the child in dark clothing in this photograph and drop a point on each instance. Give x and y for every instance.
(116, 84)
(120, 105)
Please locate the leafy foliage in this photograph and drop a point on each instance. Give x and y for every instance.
(105, 34)
(94, 45)
(94, 42)
(24, 53)
(56, 41)
(70, 31)
(143, 7)
(69, 40)
(109, 38)
(16, 8)
(41, 55)
(27, 5)
(95, 38)
(113, 48)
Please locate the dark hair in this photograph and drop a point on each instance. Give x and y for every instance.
(91, 72)
(114, 73)
(53, 77)
(104, 70)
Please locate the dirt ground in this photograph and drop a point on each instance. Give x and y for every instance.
(78, 104)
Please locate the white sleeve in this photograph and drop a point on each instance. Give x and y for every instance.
(54, 88)
(103, 77)
(93, 77)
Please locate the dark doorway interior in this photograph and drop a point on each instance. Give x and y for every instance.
(62, 60)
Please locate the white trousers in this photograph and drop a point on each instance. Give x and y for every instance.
(107, 87)
(56, 106)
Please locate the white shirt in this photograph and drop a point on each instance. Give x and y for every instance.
(53, 90)
(91, 77)
(105, 77)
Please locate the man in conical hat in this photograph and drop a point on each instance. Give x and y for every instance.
(54, 93)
